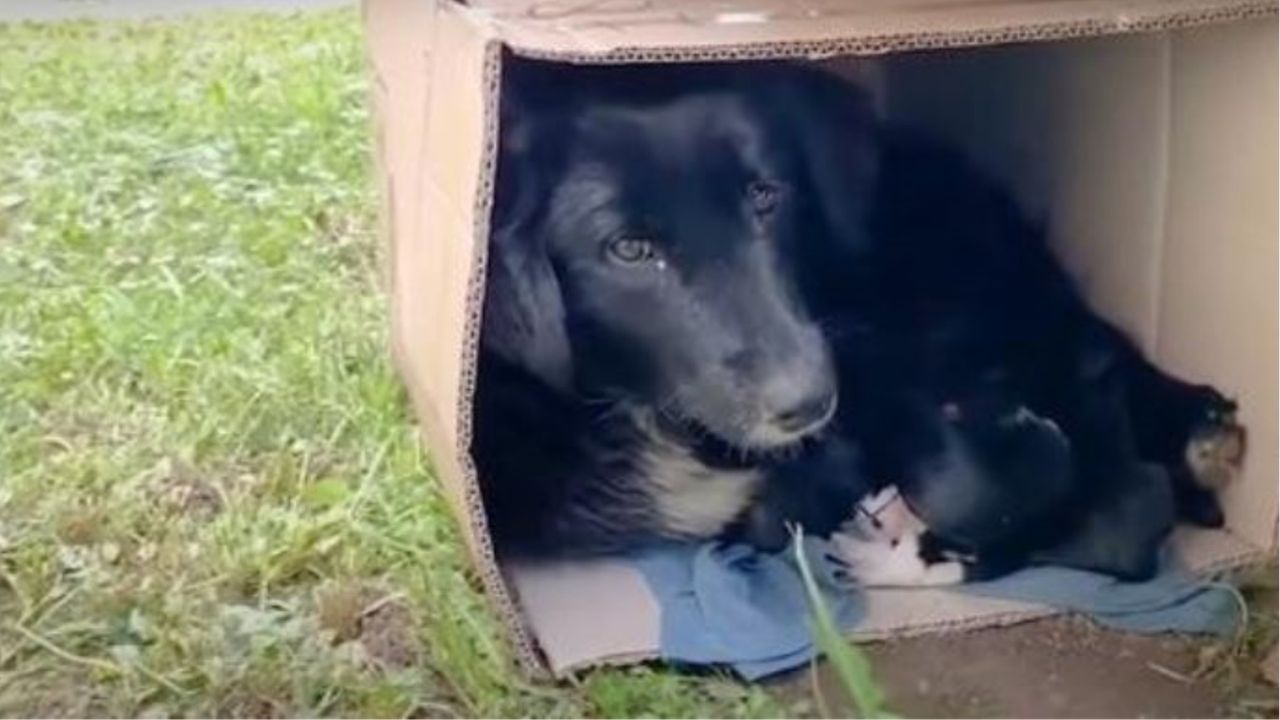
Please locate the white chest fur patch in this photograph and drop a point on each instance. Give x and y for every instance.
(691, 497)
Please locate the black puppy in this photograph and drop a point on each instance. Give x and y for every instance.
(1017, 425)
(646, 354)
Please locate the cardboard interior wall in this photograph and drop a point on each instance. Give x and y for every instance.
(1153, 154)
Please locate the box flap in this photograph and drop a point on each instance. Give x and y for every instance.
(667, 30)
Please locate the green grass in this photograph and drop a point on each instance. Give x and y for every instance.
(212, 501)
(851, 667)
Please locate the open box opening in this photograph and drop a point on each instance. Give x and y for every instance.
(1151, 148)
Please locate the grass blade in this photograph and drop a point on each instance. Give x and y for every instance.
(851, 666)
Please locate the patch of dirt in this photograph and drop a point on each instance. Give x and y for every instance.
(252, 706)
(181, 489)
(338, 609)
(380, 623)
(56, 702)
(84, 526)
(1270, 666)
(387, 634)
(1056, 668)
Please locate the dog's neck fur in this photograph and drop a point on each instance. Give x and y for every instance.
(691, 495)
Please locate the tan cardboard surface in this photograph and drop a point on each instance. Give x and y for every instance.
(1217, 317)
(1086, 156)
(587, 612)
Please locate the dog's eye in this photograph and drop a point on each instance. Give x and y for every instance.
(632, 250)
(764, 196)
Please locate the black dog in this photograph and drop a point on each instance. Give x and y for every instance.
(667, 242)
(646, 352)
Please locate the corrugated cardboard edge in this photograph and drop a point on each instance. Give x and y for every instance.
(495, 587)
(1119, 22)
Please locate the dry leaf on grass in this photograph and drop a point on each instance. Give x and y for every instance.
(1270, 671)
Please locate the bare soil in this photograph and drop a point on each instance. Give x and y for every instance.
(1055, 668)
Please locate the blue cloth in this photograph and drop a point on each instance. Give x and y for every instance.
(727, 604)
(1172, 601)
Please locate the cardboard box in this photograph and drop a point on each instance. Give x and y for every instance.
(1147, 128)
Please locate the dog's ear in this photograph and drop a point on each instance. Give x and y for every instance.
(524, 315)
(836, 129)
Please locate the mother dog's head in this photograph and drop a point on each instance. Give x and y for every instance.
(650, 227)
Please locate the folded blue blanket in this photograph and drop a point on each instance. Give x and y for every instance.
(728, 604)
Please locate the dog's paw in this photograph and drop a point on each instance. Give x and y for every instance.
(892, 563)
(1216, 446)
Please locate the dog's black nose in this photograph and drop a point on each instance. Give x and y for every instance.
(807, 413)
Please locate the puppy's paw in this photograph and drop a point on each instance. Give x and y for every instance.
(1216, 446)
(893, 563)
(882, 516)
(1023, 417)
